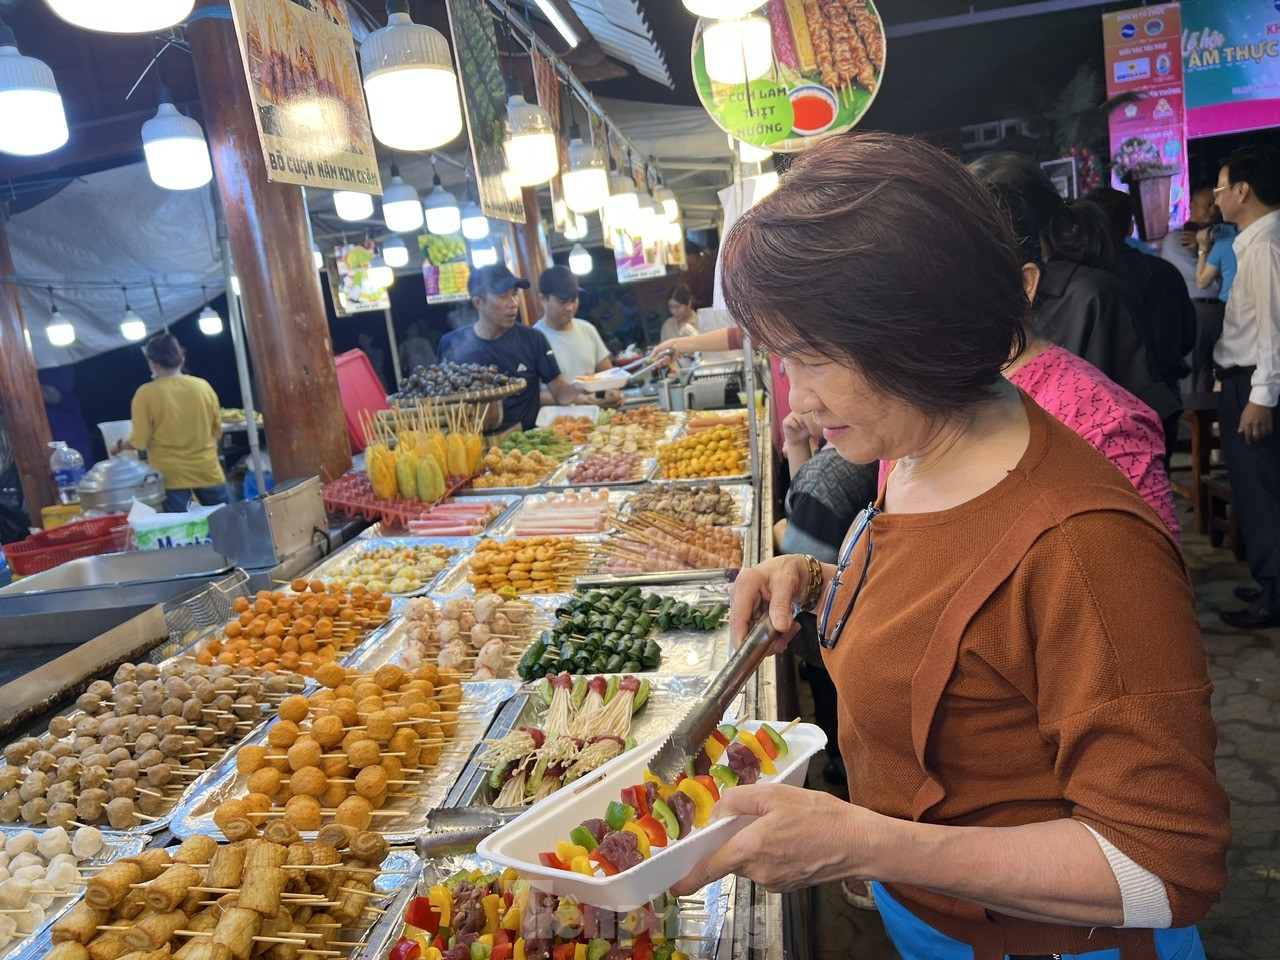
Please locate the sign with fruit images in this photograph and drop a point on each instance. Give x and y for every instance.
(828, 64)
(444, 267)
(350, 284)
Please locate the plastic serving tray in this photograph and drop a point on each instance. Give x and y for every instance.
(518, 844)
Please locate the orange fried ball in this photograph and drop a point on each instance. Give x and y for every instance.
(331, 675)
(355, 812)
(380, 726)
(305, 753)
(371, 781)
(283, 734)
(328, 731)
(363, 753)
(250, 758)
(294, 709)
(334, 795)
(303, 812)
(265, 780)
(309, 781)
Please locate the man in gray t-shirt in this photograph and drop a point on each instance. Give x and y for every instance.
(577, 345)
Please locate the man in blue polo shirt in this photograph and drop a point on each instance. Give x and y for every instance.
(498, 338)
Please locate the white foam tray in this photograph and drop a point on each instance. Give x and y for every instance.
(518, 844)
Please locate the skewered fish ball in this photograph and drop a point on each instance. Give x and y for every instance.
(33, 811)
(60, 726)
(303, 812)
(122, 787)
(89, 702)
(308, 781)
(35, 785)
(92, 776)
(305, 752)
(60, 815)
(61, 792)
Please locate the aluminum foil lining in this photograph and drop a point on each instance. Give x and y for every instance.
(507, 528)
(333, 564)
(648, 466)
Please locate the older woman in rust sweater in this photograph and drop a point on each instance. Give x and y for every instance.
(1024, 706)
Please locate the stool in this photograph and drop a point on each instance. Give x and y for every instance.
(1220, 515)
(1200, 411)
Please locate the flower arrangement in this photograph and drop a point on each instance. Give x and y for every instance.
(1139, 159)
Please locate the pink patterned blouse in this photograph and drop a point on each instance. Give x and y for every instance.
(1115, 422)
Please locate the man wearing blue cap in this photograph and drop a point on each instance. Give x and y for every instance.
(498, 338)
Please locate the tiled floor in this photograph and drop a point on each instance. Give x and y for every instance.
(1246, 672)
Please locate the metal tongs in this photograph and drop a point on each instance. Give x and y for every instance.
(705, 713)
(654, 361)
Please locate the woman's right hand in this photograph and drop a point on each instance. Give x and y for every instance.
(775, 585)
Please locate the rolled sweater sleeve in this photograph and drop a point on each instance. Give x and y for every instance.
(1133, 734)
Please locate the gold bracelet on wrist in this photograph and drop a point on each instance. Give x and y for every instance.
(813, 590)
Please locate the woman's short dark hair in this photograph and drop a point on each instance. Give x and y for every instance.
(1069, 232)
(882, 251)
(165, 351)
(681, 293)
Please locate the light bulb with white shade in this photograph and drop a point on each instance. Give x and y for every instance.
(395, 252)
(132, 326)
(406, 66)
(585, 180)
(60, 331)
(483, 254)
(401, 208)
(533, 155)
(580, 261)
(721, 9)
(350, 205)
(738, 51)
(210, 321)
(122, 16)
(442, 212)
(381, 275)
(475, 225)
(176, 151)
(575, 227)
(622, 202)
(34, 119)
(666, 197)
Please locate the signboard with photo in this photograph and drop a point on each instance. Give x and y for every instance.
(485, 104)
(445, 270)
(1231, 62)
(350, 282)
(637, 262)
(300, 64)
(828, 64)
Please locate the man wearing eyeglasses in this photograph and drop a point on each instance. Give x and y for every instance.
(1247, 362)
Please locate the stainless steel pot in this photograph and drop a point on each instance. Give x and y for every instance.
(112, 485)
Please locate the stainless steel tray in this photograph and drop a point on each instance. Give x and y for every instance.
(397, 886)
(669, 697)
(454, 580)
(480, 704)
(684, 482)
(112, 570)
(520, 491)
(331, 567)
(389, 646)
(115, 846)
(742, 493)
(507, 527)
(600, 565)
(699, 926)
(375, 532)
(561, 477)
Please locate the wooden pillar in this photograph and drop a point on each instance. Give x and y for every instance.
(529, 246)
(21, 404)
(284, 311)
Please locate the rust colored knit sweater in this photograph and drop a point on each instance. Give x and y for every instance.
(1072, 685)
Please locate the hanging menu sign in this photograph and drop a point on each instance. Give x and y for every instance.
(547, 84)
(351, 281)
(485, 104)
(300, 64)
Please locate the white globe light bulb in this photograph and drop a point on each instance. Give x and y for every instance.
(586, 181)
(401, 209)
(122, 16)
(395, 253)
(475, 225)
(210, 322)
(350, 205)
(407, 65)
(132, 326)
(34, 119)
(176, 152)
(483, 254)
(533, 156)
(59, 331)
(579, 260)
(442, 213)
(622, 202)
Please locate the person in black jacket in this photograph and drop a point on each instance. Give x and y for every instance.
(1080, 303)
(1156, 296)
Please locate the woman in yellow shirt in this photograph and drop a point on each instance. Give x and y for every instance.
(177, 419)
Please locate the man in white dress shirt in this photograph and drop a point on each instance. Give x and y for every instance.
(1247, 359)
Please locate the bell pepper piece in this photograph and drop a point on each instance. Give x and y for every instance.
(718, 736)
(598, 949)
(618, 813)
(480, 950)
(548, 859)
(517, 950)
(432, 953)
(666, 816)
(714, 748)
(511, 919)
(486, 939)
(642, 838)
(724, 776)
(702, 802)
(710, 784)
(564, 951)
(582, 865)
(779, 744)
(579, 951)
(605, 864)
(766, 745)
(490, 904)
(751, 743)
(406, 948)
(654, 830)
(636, 798)
(501, 951)
(442, 900)
(568, 851)
(507, 880)
(422, 915)
(501, 936)
(643, 949)
(583, 838)
(675, 955)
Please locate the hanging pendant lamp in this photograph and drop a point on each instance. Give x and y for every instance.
(483, 254)
(210, 321)
(666, 197)
(401, 208)
(132, 326)
(580, 261)
(176, 151)
(350, 205)
(442, 212)
(721, 9)
(409, 83)
(533, 156)
(586, 181)
(395, 252)
(317, 256)
(59, 330)
(122, 16)
(475, 225)
(34, 121)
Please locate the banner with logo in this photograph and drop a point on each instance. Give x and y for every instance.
(351, 282)
(1143, 56)
(1231, 60)
(300, 64)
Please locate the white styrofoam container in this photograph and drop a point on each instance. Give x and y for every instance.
(518, 844)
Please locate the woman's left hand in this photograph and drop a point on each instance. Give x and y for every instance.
(799, 838)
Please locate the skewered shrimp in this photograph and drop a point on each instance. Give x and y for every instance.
(486, 607)
(453, 609)
(448, 632)
(479, 636)
(492, 654)
(452, 655)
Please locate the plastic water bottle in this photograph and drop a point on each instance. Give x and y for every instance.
(68, 470)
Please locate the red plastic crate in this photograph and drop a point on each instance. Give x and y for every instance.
(52, 548)
(352, 495)
(362, 393)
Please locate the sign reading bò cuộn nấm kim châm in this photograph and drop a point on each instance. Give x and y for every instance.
(300, 64)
